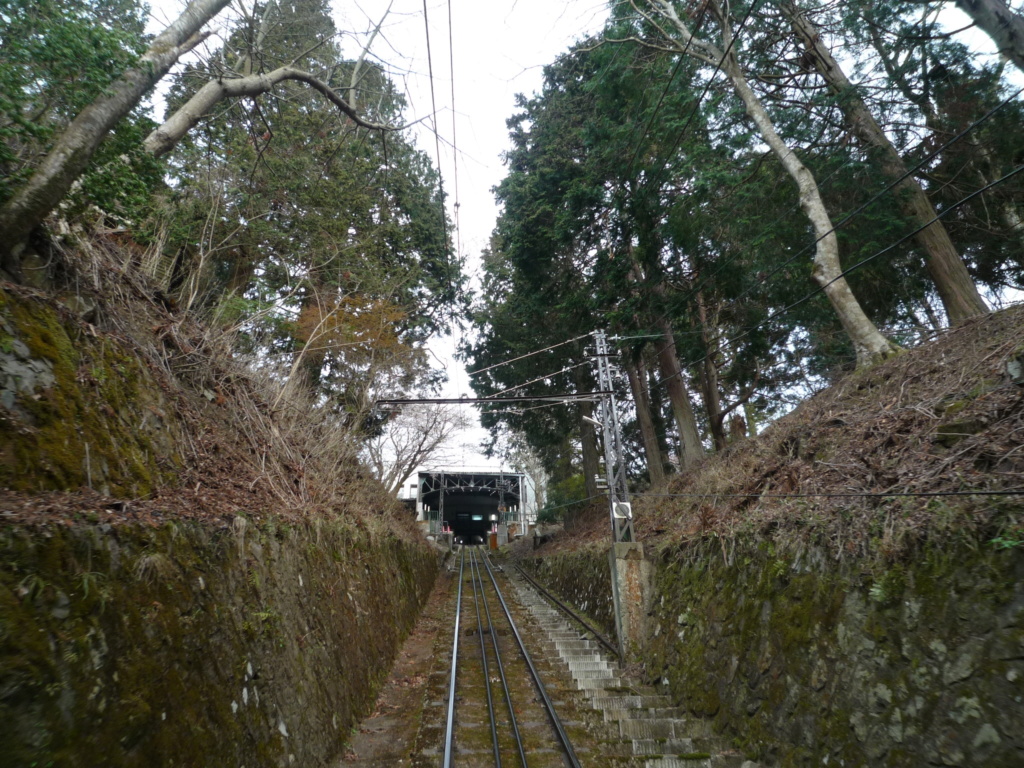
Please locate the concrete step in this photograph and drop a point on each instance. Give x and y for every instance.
(597, 683)
(651, 728)
(577, 665)
(699, 760)
(630, 701)
(667, 747)
(675, 713)
(679, 762)
(590, 674)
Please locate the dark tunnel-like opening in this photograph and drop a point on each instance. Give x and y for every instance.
(470, 504)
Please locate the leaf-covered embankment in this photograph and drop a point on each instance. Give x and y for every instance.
(875, 630)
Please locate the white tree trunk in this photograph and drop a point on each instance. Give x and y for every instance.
(73, 150)
(869, 343)
(1004, 26)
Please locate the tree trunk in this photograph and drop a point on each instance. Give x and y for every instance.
(657, 404)
(709, 381)
(957, 290)
(690, 447)
(1005, 27)
(163, 139)
(71, 154)
(655, 468)
(591, 462)
(868, 342)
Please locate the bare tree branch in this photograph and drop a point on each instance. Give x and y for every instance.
(163, 139)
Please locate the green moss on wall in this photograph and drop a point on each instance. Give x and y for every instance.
(799, 659)
(193, 646)
(81, 411)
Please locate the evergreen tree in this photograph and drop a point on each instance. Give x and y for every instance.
(321, 221)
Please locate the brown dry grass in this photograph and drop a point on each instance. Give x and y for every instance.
(944, 418)
(249, 447)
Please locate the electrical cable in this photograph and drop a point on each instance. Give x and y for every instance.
(574, 503)
(437, 148)
(847, 495)
(539, 378)
(528, 354)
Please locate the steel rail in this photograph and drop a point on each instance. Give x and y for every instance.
(449, 732)
(478, 596)
(505, 686)
(601, 639)
(556, 722)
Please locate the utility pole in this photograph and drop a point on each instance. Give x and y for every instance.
(611, 435)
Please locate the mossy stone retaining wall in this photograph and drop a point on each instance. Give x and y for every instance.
(78, 407)
(195, 646)
(802, 660)
(584, 579)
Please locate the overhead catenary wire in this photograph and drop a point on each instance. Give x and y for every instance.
(455, 143)
(437, 149)
(528, 354)
(540, 378)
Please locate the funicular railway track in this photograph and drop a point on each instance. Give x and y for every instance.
(534, 737)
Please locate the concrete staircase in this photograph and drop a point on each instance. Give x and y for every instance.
(643, 728)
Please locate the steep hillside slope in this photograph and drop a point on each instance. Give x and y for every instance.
(194, 569)
(925, 446)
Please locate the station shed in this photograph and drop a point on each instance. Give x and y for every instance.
(472, 504)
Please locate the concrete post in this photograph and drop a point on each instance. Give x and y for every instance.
(631, 593)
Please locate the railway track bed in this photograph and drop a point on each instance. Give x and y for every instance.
(492, 711)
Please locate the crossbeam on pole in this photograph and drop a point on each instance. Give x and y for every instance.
(571, 398)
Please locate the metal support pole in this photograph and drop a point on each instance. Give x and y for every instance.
(614, 457)
(441, 507)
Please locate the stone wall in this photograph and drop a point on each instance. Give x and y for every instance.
(802, 660)
(193, 646)
(584, 580)
(79, 408)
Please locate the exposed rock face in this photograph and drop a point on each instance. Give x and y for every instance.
(803, 660)
(195, 646)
